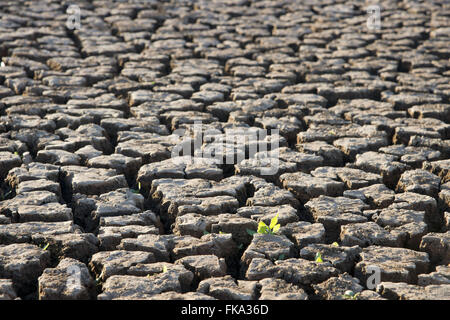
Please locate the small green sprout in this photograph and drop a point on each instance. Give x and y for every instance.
(164, 269)
(221, 232)
(205, 232)
(318, 257)
(350, 295)
(271, 229)
(45, 247)
(240, 246)
(16, 153)
(263, 228)
(335, 244)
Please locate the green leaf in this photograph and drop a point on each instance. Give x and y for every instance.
(262, 224)
(164, 269)
(319, 257)
(276, 228)
(281, 257)
(273, 222)
(139, 186)
(205, 232)
(335, 244)
(262, 228)
(46, 246)
(250, 232)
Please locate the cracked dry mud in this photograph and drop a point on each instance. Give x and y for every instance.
(95, 206)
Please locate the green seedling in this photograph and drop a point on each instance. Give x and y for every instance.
(335, 244)
(46, 247)
(263, 228)
(240, 246)
(350, 295)
(205, 232)
(271, 229)
(319, 257)
(164, 269)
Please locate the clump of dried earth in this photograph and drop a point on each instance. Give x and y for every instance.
(94, 205)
